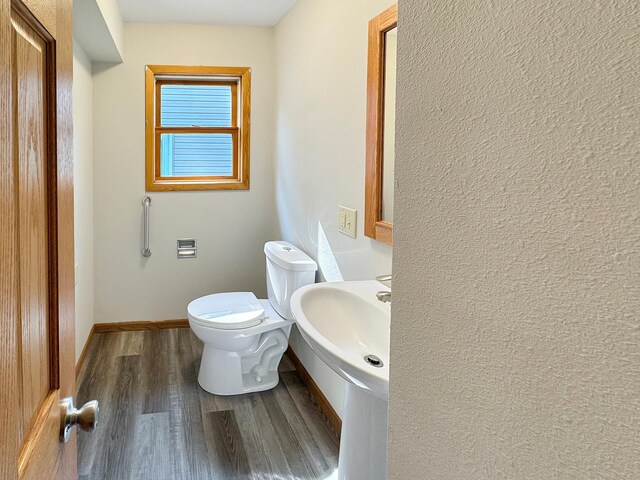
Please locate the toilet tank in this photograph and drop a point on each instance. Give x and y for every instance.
(288, 268)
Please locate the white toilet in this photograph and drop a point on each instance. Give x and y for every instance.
(244, 338)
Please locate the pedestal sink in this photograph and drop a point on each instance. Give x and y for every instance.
(348, 328)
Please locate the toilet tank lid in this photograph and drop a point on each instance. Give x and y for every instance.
(289, 256)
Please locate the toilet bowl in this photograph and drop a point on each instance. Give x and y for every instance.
(244, 337)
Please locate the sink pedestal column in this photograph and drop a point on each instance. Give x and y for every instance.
(363, 443)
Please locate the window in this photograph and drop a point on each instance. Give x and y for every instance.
(197, 128)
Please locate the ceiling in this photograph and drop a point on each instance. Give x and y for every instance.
(264, 13)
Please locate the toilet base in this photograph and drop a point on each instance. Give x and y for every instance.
(252, 370)
(249, 385)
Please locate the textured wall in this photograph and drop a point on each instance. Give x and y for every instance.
(516, 314)
(83, 193)
(230, 226)
(321, 90)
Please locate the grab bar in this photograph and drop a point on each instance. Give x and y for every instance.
(146, 203)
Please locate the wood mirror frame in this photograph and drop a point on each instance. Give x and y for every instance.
(374, 226)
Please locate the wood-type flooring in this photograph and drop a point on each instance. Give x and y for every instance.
(156, 423)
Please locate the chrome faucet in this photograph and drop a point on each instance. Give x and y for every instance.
(384, 295)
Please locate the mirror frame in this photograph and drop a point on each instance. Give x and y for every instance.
(374, 226)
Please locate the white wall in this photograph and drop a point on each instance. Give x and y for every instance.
(321, 88)
(515, 322)
(110, 11)
(231, 227)
(98, 28)
(83, 193)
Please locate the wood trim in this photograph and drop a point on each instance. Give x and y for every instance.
(172, 186)
(158, 92)
(234, 104)
(193, 179)
(316, 394)
(139, 326)
(195, 71)
(374, 227)
(149, 128)
(186, 183)
(157, 106)
(384, 232)
(187, 130)
(240, 79)
(245, 132)
(388, 19)
(161, 82)
(85, 349)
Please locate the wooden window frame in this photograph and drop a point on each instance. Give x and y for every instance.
(239, 78)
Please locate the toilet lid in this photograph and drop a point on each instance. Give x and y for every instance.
(227, 310)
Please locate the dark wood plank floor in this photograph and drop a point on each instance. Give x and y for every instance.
(156, 423)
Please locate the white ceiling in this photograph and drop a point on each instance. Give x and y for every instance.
(264, 13)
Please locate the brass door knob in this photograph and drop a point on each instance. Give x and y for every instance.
(85, 417)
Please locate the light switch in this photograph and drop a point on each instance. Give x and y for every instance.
(347, 221)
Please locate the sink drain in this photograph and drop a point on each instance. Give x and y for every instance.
(373, 360)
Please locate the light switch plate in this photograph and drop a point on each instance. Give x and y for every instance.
(347, 221)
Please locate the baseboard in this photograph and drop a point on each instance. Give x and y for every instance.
(138, 326)
(85, 349)
(316, 394)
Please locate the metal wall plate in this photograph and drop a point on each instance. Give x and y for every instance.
(187, 248)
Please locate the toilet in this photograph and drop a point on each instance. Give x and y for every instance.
(245, 337)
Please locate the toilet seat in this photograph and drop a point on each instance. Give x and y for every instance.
(227, 311)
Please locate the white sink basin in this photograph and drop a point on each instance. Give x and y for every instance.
(343, 322)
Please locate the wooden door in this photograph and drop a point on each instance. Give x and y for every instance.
(36, 238)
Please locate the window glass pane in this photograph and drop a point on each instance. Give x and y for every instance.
(195, 105)
(196, 154)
